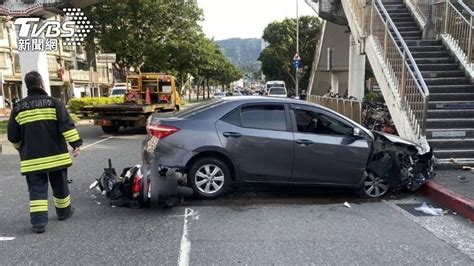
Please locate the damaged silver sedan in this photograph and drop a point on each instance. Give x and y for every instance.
(284, 141)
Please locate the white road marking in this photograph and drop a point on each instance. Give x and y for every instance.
(455, 232)
(6, 238)
(185, 246)
(97, 142)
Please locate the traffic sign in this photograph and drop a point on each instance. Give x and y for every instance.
(296, 61)
(296, 64)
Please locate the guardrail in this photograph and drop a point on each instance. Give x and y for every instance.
(401, 67)
(457, 26)
(349, 108)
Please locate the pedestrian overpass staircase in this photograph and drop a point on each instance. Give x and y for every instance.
(427, 82)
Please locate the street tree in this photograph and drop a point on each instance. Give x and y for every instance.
(132, 29)
(277, 57)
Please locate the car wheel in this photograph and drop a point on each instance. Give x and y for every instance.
(110, 129)
(209, 177)
(373, 186)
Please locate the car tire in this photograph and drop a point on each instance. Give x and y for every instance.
(209, 177)
(110, 129)
(373, 186)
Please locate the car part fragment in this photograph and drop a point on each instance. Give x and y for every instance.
(400, 163)
(136, 188)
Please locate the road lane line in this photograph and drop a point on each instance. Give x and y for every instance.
(185, 246)
(6, 238)
(97, 142)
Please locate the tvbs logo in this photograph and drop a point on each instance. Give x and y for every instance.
(32, 28)
(37, 35)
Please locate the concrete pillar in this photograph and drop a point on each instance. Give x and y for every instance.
(37, 61)
(356, 71)
(334, 82)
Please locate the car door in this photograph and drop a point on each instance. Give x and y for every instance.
(326, 152)
(260, 141)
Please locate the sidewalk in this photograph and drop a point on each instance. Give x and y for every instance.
(453, 189)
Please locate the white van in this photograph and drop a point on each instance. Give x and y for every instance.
(118, 90)
(274, 83)
(277, 92)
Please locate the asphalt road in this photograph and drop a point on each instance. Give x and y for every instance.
(249, 226)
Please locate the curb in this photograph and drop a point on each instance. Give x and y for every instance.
(449, 199)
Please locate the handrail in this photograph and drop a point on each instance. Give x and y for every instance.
(374, 22)
(466, 7)
(453, 25)
(459, 12)
(405, 47)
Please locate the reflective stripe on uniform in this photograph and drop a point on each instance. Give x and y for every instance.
(38, 205)
(71, 135)
(62, 203)
(36, 115)
(45, 163)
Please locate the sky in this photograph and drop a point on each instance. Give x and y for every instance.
(225, 19)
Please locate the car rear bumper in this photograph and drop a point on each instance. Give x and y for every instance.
(163, 154)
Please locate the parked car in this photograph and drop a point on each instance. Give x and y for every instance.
(277, 92)
(271, 140)
(118, 90)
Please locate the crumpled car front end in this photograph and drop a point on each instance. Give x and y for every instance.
(400, 162)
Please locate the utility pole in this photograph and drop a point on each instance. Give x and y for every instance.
(297, 47)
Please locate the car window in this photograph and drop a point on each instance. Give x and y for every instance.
(118, 91)
(233, 117)
(197, 108)
(319, 123)
(270, 117)
(277, 91)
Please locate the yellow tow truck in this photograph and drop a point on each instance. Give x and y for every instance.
(146, 93)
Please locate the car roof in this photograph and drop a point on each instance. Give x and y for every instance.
(255, 99)
(265, 99)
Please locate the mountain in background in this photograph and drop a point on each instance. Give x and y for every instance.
(242, 52)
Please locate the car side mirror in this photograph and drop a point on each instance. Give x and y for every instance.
(356, 133)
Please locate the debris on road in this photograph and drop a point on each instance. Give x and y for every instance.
(134, 189)
(347, 205)
(462, 179)
(429, 210)
(6, 238)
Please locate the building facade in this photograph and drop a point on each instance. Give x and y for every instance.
(71, 74)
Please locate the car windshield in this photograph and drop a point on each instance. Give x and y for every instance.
(277, 91)
(118, 92)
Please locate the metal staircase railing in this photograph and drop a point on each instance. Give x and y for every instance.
(449, 20)
(400, 66)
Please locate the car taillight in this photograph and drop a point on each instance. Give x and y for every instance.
(161, 131)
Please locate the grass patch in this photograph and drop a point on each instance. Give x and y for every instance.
(3, 127)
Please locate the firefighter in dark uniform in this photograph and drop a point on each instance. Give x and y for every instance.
(39, 128)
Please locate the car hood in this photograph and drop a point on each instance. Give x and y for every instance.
(395, 139)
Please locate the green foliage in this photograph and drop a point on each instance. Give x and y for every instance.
(134, 30)
(277, 57)
(75, 105)
(374, 97)
(3, 127)
(242, 52)
(158, 36)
